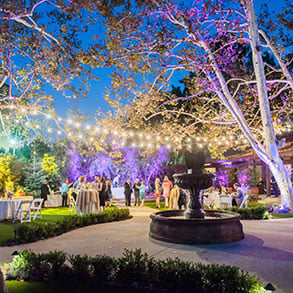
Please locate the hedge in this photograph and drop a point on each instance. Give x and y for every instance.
(252, 213)
(30, 232)
(134, 270)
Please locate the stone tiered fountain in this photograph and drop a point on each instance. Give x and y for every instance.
(194, 225)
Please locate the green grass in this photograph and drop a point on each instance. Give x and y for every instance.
(48, 215)
(36, 287)
(152, 204)
(282, 216)
(6, 232)
(28, 287)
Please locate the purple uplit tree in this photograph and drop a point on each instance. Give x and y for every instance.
(150, 40)
(133, 165)
(102, 165)
(74, 168)
(243, 176)
(222, 177)
(155, 164)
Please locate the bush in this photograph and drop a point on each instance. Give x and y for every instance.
(103, 268)
(256, 213)
(133, 270)
(29, 232)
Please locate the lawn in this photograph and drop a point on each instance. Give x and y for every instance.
(282, 215)
(35, 287)
(152, 204)
(48, 214)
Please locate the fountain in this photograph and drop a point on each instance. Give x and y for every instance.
(194, 225)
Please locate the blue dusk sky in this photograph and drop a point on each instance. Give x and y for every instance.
(98, 88)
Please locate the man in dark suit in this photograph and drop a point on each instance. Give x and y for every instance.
(45, 191)
(127, 192)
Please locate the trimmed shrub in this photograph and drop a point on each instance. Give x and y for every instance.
(252, 213)
(133, 270)
(103, 268)
(29, 232)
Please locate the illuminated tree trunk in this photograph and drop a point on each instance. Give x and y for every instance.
(269, 153)
(273, 161)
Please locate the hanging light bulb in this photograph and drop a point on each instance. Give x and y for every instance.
(168, 146)
(167, 138)
(22, 110)
(148, 137)
(197, 138)
(140, 135)
(188, 139)
(88, 126)
(158, 137)
(59, 119)
(91, 139)
(69, 121)
(210, 145)
(200, 145)
(59, 132)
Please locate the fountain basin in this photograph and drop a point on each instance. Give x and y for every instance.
(217, 227)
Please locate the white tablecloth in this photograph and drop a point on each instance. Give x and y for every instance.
(118, 193)
(54, 200)
(7, 208)
(214, 199)
(87, 201)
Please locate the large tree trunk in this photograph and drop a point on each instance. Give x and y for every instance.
(275, 163)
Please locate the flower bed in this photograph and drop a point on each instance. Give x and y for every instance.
(133, 270)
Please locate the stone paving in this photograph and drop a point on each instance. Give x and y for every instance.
(266, 251)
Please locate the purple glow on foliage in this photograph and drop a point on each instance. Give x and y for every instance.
(132, 166)
(243, 176)
(222, 177)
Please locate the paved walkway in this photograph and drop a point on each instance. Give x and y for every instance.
(266, 251)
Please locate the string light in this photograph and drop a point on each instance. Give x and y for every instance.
(236, 139)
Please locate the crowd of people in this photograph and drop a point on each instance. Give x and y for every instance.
(174, 196)
(100, 184)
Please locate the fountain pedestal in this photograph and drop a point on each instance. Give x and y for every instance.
(191, 226)
(194, 183)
